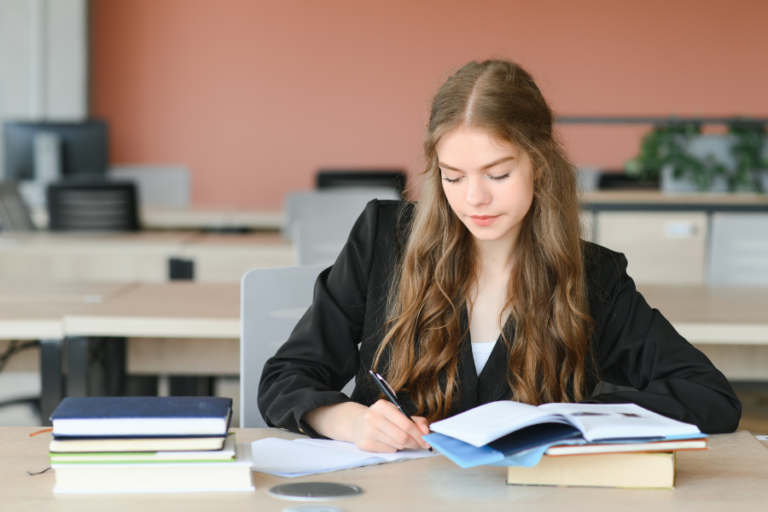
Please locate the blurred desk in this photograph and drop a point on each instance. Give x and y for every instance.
(730, 325)
(201, 218)
(173, 328)
(127, 257)
(730, 475)
(195, 218)
(185, 328)
(32, 311)
(653, 200)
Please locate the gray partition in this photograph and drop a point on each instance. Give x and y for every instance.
(738, 254)
(272, 302)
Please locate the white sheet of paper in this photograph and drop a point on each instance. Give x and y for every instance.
(311, 456)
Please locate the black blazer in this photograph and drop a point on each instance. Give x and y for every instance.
(337, 338)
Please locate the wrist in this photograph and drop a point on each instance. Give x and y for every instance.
(335, 421)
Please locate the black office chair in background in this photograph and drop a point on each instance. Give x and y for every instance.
(345, 178)
(92, 205)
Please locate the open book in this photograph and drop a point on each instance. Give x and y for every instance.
(514, 434)
(595, 422)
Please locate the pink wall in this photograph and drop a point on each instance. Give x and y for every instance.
(256, 95)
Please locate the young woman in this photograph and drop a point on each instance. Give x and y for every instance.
(481, 291)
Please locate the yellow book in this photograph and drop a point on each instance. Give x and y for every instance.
(628, 470)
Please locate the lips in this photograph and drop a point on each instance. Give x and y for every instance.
(484, 220)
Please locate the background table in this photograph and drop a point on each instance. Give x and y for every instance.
(145, 256)
(729, 476)
(186, 328)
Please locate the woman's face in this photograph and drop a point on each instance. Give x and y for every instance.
(488, 183)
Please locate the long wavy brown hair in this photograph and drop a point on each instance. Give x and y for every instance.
(549, 328)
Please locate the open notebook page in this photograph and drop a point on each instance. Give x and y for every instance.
(302, 457)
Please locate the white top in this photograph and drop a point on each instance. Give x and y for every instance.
(480, 353)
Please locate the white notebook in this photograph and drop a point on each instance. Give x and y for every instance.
(302, 457)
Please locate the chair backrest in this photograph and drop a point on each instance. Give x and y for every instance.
(321, 204)
(342, 178)
(99, 205)
(319, 241)
(160, 186)
(272, 302)
(739, 249)
(14, 214)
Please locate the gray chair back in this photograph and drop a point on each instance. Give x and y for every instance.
(160, 186)
(319, 241)
(14, 214)
(272, 302)
(321, 204)
(739, 249)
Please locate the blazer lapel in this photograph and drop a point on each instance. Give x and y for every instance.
(467, 375)
(492, 382)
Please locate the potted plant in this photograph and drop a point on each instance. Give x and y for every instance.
(688, 161)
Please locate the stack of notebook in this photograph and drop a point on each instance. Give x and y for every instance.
(596, 445)
(146, 444)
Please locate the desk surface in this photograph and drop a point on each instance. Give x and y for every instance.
(729, 476)
(704, 315)
(69, 257)
(713, 315)
(635, 197)
(168, 310)
(36, 311)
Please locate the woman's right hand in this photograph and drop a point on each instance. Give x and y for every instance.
(378, 428)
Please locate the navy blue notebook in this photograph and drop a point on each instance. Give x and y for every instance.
(129, 416)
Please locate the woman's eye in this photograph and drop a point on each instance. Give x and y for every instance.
(449, 180)
(500, 178)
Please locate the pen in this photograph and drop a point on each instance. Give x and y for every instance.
(385, 388)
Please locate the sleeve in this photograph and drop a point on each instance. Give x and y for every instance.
(321, 355)
(639, 348)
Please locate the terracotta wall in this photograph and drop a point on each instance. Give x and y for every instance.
(256, 95)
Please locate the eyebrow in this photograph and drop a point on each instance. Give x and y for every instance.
(483, 168)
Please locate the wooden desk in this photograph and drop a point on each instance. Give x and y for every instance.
(182, 328)
(650, 200)
(200, 218)
(195, 218)
(729, 476)
(730, 325)
(174, 328)
(76, 258)
(36, 312)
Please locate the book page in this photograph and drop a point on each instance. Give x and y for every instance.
(620, 421)
(483, 424)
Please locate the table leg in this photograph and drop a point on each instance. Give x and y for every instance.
(51, 378)
(77, 366)
(96, 366)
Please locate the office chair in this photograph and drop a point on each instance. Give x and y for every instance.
(14, 214)
(160, 186)
(272, 300)
(343, 178)
(346, 203)
(738, 249)
(319, 241)
(92, 205)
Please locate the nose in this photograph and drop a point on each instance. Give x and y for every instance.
(477, 192)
